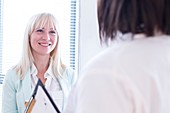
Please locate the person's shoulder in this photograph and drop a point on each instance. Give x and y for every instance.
(70, 75)
(11, 73)
(102, 59)
(12, 70)
(99, 64)
(68, 70)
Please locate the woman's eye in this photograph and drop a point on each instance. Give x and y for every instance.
(39, 30)
(53, 32)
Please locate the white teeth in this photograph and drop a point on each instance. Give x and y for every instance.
(45, 44)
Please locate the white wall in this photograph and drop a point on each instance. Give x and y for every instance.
(88, 32)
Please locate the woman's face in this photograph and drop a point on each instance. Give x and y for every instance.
(43, 40)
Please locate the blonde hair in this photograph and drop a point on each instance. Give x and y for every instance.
(27, 58)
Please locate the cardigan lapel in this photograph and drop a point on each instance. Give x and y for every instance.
(65, 87)
(27, 86)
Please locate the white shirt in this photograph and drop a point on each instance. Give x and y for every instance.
(52, 85)
(130, 77)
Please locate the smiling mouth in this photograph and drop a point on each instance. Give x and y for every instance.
(46, 45)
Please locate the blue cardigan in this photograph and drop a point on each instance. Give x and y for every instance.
(17, 91)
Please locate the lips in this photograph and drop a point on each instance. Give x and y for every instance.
(44, 44)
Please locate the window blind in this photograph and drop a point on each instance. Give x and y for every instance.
(1, 49)
(1, 41)
(74, 34)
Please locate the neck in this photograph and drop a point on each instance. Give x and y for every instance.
(41, 63)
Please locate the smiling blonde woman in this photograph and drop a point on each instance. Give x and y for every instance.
(40, 60)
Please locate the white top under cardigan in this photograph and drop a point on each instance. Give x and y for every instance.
(129, 77)
(52, 85)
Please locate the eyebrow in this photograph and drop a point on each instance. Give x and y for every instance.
(44, 28)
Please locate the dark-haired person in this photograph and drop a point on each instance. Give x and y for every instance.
(132, 76)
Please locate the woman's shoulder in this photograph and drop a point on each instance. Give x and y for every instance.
(70, 75)
(12, 70)
(11, 73)
(68, 72)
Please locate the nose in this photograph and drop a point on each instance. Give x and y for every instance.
(46, 36)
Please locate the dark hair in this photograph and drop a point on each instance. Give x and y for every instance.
(133, 16)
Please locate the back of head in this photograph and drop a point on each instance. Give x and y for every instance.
(133, 16)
